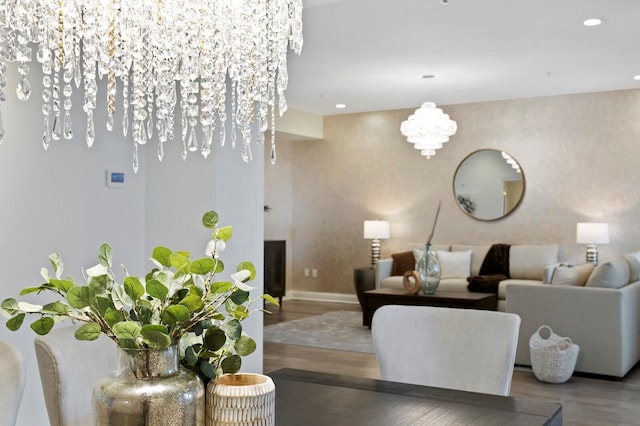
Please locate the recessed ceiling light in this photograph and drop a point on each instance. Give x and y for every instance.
(341, 106)
(592, 22)
(636, 77)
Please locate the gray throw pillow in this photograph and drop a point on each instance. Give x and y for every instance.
(572, 274)
(611, 274)
(634, 265)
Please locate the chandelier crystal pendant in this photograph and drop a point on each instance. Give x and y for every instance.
(165, 60)
(428, 128)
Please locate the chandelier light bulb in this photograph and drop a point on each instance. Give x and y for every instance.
(166, 61)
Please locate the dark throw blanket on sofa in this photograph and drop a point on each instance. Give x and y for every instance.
(495, 268)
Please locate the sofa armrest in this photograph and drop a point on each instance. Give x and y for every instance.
(604, 322)
(383, 270)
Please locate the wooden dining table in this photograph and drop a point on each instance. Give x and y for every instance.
(306, 398)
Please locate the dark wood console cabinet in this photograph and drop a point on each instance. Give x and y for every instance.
(275, 266)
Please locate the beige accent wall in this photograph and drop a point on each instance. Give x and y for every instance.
(579, 155)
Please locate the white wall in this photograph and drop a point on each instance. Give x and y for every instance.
(578, 154)
(58, 200)
(179, 192)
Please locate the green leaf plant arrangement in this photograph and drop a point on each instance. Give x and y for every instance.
(178, 302)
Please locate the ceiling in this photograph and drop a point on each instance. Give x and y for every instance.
(371, 54)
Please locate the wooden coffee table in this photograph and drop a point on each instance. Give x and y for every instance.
(373, 299)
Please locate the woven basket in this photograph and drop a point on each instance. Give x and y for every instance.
(553, 358)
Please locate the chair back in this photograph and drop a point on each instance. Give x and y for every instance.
(464, 349)
(69, 370)
(13, 374)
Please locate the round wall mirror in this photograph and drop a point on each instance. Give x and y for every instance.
(488, 184)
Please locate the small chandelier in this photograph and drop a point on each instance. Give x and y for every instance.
(428, 128)
(166, 61)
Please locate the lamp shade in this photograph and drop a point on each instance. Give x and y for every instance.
(376, 229)
(592, 233)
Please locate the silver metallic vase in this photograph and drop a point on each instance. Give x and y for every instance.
(149, 389)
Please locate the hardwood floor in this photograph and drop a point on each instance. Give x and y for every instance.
(585, 400)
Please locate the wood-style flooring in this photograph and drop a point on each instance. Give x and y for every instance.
(585, 400)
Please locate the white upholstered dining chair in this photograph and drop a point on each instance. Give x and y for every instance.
(464, 349)
(12, 379)
(69, 369)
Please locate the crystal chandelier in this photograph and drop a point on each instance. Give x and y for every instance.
(428, 128)
(164, 60)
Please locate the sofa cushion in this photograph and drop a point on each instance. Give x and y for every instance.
(478, 254)
(529, 261)
(572, 274)
(611, 274)
(402, 262)
(634, 265)
(454, 264)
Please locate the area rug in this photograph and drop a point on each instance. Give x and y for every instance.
(340, 330)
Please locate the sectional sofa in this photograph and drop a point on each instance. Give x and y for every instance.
(528, 264)
(601, 315)
(598, 308)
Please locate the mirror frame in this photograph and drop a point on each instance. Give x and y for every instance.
(460, 203)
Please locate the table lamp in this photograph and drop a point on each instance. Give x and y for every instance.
(375, 230)
(592, 233)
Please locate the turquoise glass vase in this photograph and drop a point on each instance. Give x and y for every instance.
(429, 270)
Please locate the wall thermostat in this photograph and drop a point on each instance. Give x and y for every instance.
(115, 179)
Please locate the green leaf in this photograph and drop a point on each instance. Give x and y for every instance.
(202, 266)
(214, 339)
(127, 330)
(210, 219)
(55, 308)
(56, 262)
(220, 287)
(231, 364)
(10, 307)
(195, 290)
(249, 267)
(190, 356)
(101, 284)
(156, 336)
(90, 331)
(133, 287)
(207, 369)
(43, 325)
(145, 314)
(219, 266)
(175, 314)
(239, 297)
(162, 254)
(180, 262)
(81, 296)
(245, 345)
(156, 289)
(62, 285)
(103, 303)
(15, 323)
(29, 290)
(241, 312)
(233, 329)
(192, 302)
(113, 316)
(269, 298)
(105, 255)
(225, 233)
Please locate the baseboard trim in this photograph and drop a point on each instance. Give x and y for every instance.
(321, 296)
